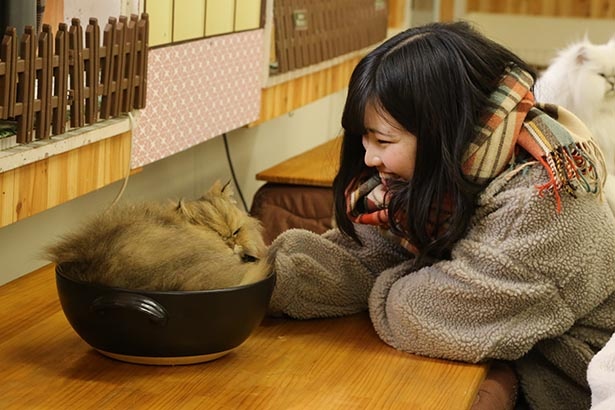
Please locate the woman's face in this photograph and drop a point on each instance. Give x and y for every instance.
(388, 146)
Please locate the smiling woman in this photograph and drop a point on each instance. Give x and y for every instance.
(455, 225)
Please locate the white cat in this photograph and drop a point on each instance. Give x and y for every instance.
(582, 79)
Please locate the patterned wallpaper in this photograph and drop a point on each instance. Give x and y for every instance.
(198, 90)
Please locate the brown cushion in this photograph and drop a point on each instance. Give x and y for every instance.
(280, 207)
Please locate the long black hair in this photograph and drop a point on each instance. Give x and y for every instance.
(434, 80)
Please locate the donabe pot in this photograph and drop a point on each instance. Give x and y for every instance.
(163, 327)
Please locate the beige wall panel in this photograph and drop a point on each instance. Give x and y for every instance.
(188, 19)
(160, 21)
(219, 17)
(247, 14)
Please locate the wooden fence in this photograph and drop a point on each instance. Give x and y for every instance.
(310, 31)
(48, 84)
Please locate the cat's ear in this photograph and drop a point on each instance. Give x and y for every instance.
(580, 55)
(216, 187)
(227, 189)
(184, 210)
(611, 42)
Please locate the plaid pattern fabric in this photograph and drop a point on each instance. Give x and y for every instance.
(367, 203)
(549, 133)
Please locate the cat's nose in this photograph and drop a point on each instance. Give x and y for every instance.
(238, 250)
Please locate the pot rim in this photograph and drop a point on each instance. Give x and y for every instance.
(58, 270)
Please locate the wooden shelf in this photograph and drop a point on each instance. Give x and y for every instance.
(40, 185)
(316, 167)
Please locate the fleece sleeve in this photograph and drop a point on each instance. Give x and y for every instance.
(327, 275)
(523, 273)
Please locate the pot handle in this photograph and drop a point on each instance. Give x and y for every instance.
(152, 309)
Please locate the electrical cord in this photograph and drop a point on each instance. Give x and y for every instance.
(230, 164)
(228, 157)
(125, 183)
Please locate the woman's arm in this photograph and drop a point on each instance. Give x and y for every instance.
(523, 273)
(328, 275)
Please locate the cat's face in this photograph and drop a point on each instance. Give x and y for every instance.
(596, 74)
(216, 210)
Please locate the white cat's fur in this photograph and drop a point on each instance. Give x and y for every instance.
(582, 79)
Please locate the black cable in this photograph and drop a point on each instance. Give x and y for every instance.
(230, 165)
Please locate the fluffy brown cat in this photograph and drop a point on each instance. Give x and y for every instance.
(208, 243)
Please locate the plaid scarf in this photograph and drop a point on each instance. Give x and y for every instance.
(549, 133)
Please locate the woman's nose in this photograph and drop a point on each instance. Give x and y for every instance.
(372, 159)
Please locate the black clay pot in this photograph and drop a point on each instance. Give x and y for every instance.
(153, 327)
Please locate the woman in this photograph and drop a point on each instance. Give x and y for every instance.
(470, 219)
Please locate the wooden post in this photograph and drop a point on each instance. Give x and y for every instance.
(8, 54)
(118, 70)
(131, 55)
(45, 76)
(25, 90)
(108, 68)
(60, 76)
(92, 71)
(141, 63)
(76, 73)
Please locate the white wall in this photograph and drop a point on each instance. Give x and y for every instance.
(186, 174)
(518, 33)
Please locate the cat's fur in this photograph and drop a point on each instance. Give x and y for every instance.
(207, 243)
(582, 79)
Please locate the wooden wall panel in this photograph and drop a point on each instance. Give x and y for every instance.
(7, 189)
(54, 13)
(447, 10)
(397, 13)
(559, 8)
(43, 184)
(290, 95)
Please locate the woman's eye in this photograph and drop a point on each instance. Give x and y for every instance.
(383, 142)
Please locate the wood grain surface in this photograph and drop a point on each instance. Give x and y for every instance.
(290, 95)
(286, 364)
(315, 167)
(35, 187)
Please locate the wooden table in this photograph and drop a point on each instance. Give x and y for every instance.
(315, 364)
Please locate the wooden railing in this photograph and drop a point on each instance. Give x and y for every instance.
(49, 83)
(308, 32)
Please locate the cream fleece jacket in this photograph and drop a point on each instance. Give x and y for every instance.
(526, 284)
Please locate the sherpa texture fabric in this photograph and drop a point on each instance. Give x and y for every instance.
(526, 284)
